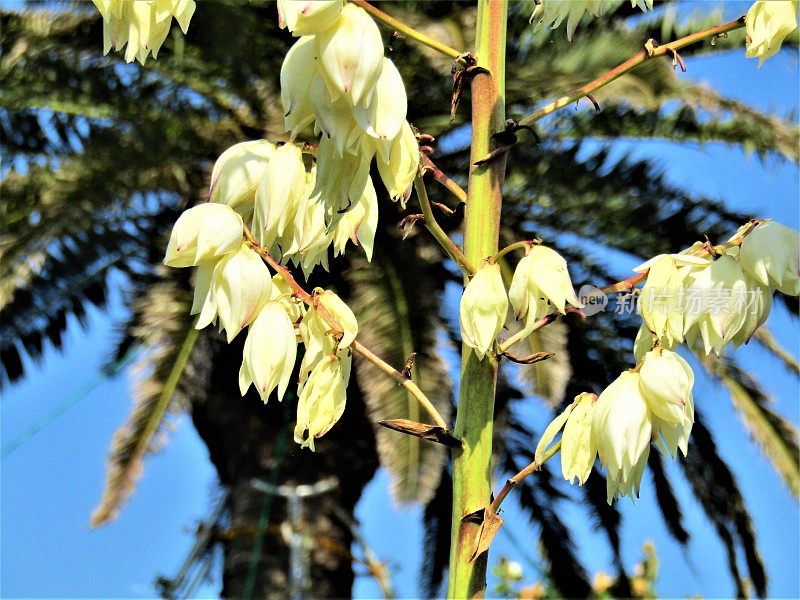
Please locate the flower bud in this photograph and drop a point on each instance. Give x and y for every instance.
(540, 280)
(203, 233)
(240, 286)
(621, 430)
(483, 308)
(398, 167)
(281, 189)
(308, 17)
(767, 25)
(666, 382)
(237, 173)
(322, 399)
(771, 255)
(341, 313)
(578, 449)
(351, 55)
(269, 352)
(298, 70)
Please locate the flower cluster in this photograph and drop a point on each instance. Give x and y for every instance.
(711, 302)
(142, 25)
(540, 284)
(767, 25)
(551, 13)
(651, 405)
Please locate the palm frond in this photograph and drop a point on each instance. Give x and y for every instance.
(397, 317)
(167, 332)
(715, 487)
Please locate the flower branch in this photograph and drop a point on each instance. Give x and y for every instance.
(455, 189)
(407, 31)
(365, 352)
(436, 230)
(651, 50)
(514, 481)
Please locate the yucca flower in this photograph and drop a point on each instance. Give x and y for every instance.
(483, 308)
(770, 254)
(237, 173)
(308, 17)
(767, 23)
(203, 234)
(666, 382)
(322, 398)
(141, 24)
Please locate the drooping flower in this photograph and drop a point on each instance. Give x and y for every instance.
(398, 164)
(280, 191)
(663, 301)
(351, 56)
(269, 352)
(666, 382)
(767, 25)
(299, 68)
(621, 430)
(308, 17)
(142, 25)
(322, 398)
(770, 254)
(541, 282)
(240, 285)
(578, 449)
(237, 173)
(387, 112)
(337, 309)
(358, 224)
(202, 234)
(483, 308)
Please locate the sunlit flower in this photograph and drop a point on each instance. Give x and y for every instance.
(322, 399)
(269, 352)
(666, 382)
(541, 282)
(578, 449)
(237, 173)
(358, 224)
(142, 25)
(280, 191)
(202, 234)
(398, 163)
(771, 255)
(768, 22)
(308, 17)
(299, 68)
(483, 308)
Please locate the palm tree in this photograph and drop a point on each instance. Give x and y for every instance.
(101, 157)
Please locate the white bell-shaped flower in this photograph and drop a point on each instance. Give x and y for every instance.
(308, 17)
(621, 429)
(398, 165)
(202, 234)
(643, 343)
(387, 112)
(756, 307)
(240, 285)
(334, 118)
(663, 300)
(483, 308)
(237, 172)
(351, 56)
(322, 399)
(280, 191)
(770, 254)
(541, 281)
(666, 382)
(337, 309)
(578, 448)
(269, 352)
(341, 180)
(716, 296)
(299, 68)
(767, 24)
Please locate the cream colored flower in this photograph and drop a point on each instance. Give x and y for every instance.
(279, 193)
(351, 56)
(202, 234)
(770, 254)
(541, 282)
(666, 382)
(398, 163)
(344, 317)
(141, 24)
(299, 68)
(269, 352)
(621, 430)
(358, 224)
(483, 309)
(322, 399)
(308, 17)
(578, 449)
(386, 113)
(237, 172)
(768, 22)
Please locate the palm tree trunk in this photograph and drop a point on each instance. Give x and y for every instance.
(252, 448)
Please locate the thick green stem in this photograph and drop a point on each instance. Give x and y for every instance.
(472, 464)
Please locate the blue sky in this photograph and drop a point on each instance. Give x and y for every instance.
(50, 484)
